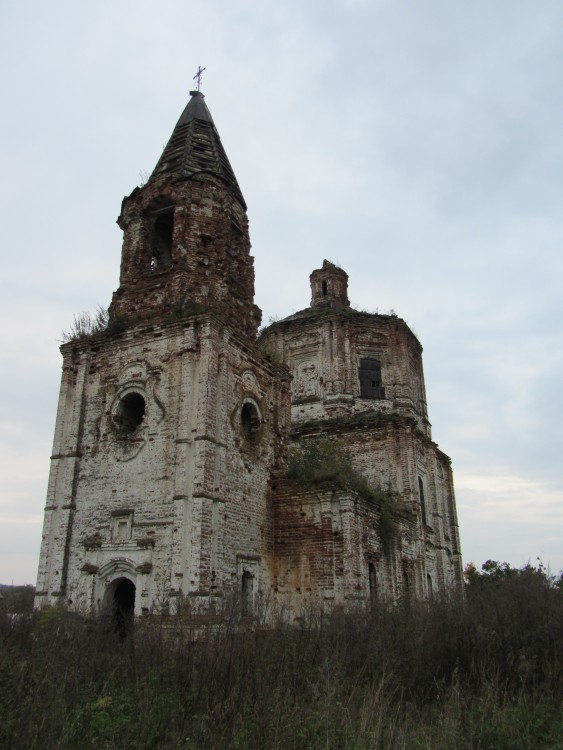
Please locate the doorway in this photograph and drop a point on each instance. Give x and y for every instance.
(123, 605)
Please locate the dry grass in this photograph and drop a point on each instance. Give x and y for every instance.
(484, 673)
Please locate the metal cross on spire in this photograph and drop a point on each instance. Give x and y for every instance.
(197, 77)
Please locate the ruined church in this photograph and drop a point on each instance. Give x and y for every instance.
(198, 461)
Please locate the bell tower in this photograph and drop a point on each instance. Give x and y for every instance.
(171, 421)
(186, 241)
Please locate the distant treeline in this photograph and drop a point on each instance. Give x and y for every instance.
(17, 598)
(479, 672)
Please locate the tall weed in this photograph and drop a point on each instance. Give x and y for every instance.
(480, 673)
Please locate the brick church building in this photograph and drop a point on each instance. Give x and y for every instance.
(177, 423)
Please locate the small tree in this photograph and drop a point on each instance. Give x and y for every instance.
(493, 572)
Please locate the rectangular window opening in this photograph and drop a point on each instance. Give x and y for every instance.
(369, 374)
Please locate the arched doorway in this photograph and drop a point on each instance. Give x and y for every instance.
(121, 603)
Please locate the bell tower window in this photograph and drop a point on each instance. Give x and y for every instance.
(161, 231)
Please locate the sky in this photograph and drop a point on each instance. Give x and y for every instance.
(416, 144)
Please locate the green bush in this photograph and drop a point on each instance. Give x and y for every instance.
(320, 460)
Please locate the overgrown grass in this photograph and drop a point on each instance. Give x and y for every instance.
(86, 324)
(480, 674)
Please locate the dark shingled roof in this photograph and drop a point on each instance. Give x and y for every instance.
(195, 146)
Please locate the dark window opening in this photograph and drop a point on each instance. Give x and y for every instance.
(370, 378)
(422, 499)
(130, 412)
(429, 585)
(250, 421)
(247, 592)
(161, 240)
(325, 289)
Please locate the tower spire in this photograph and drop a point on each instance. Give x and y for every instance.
(186, 239)
(195, 147)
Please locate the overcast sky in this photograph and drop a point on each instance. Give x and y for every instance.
(417, 144)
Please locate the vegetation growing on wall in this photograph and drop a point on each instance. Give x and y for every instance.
(180, 311)
(320, 460)
(86, 324)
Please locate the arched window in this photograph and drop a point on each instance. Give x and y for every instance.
(422, 499)
(161, 231)
(250, 422)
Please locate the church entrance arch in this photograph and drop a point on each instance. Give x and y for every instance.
(119, 602)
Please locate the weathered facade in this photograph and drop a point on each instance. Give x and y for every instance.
(357, 380)
(168, 479)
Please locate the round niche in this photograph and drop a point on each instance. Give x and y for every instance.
(129, 412)
(250, 422)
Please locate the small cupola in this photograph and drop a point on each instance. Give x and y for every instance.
(329, 286)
